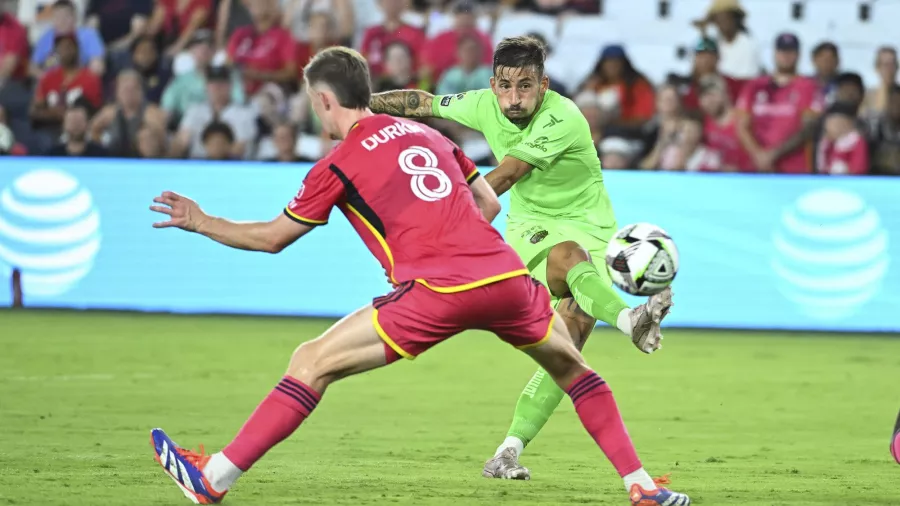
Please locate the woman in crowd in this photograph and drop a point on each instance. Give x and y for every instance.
(625, 95)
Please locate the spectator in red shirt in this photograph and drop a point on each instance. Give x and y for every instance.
(376, 38)
(62, 85)
(706, 63)
(778, 114)
(321, 34)
(13, 49)
(398, 69)
(719, 128)
(265, 51)
(439, 53)
(625, 95)
(175, 21)
(843, 149)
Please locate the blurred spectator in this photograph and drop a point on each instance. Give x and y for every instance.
(91, 50)
(175, 21)
(13, 49)
(843, 149)
(298, 16)
(876, 99)
(285, 140)
(826, 61)
(625, 95)
(120, 22)
(719, 129)
(778, 114)
(218, 141)
(155, 74)
(554, 66)
(738, 54)
(885, 137)
(849, 89)
(151, 142)
(230, 15)
(7, 141)
(219, 108)
(439, 56)
(116, 125)
(616, 153)
(321, 35)
(376, 38)
(684, 149)
(706, 64)
(15, 148)
(190, 88)
(470, 73)
(661, 132)
(264, 51)
(75, 134)
(64, 84)
(271, 109)
(398, 69)
(555, 7)
(590, 108)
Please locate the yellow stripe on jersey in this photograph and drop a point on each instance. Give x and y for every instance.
(379, 238)
(387, 339)
(473, 284)
(297, 217)
(543, 339)
(471, 177)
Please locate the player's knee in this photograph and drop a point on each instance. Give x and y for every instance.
(566, 366)
(562, 258)
(310, 366)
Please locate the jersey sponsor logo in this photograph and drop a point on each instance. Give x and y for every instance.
(538, 143)
(390, 133)
(553, 121)
(459, 96)
(538, 236)
(446, 101)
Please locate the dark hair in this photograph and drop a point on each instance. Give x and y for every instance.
(344, 71)
(895, 90)
(886, 49)
(64, 4)
(218, 127)
(400, 44)
(520, 52)
(630, 76)
(851, 78)
(83, 104)
(140, 40)
(825, 46)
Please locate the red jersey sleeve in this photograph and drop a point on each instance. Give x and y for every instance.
(320, 191)
(466, 165)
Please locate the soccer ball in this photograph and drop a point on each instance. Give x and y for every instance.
(642, 259)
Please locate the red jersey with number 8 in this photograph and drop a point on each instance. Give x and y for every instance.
(404, 187)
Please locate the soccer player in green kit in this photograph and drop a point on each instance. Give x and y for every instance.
(560, 219)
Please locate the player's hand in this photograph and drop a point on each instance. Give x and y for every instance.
(183, 212)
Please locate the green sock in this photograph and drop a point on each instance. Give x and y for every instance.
(536, 404)
(594, 293)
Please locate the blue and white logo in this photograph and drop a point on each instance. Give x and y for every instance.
(49, 229)
(831, 253)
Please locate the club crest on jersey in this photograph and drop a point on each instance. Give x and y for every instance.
(389, 133)
(446, 100)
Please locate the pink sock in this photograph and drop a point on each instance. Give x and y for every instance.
(276, 418)
(599, 414)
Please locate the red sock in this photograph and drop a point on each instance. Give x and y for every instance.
(599, 414)
(276, 418)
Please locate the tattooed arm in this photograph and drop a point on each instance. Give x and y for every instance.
(403, 103)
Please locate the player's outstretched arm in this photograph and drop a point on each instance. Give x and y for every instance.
(267, 236)
(403, 103)
(486, 199)
(507, 173)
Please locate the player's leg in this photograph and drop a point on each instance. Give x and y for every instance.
(349, 347)
(895, 441)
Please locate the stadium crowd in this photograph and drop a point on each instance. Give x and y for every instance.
(222, 79)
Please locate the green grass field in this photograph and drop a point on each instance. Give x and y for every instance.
(737, 418)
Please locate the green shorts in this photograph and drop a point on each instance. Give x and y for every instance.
(533, 241)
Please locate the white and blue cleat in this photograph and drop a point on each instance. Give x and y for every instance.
(185, 467)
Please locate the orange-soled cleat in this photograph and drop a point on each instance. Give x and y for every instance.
(185, 467)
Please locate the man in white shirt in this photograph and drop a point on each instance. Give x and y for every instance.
(738, 53)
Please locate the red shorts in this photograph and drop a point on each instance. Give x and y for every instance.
(413, 318)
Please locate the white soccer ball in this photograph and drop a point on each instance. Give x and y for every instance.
(642, 259)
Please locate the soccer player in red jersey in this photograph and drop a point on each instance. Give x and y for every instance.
(421, 208)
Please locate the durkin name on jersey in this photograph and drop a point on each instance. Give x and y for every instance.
(390, 132)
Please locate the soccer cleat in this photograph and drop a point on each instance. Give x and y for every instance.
(506, 466)
(657, 497)
(895, 446)
(185, 467)
(645, 320)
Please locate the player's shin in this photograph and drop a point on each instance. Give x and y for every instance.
(537, 402)
(596, 296)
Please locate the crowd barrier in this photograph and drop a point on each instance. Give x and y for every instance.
(756, 251)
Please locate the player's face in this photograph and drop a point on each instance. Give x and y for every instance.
(519, 91)
(786, 61)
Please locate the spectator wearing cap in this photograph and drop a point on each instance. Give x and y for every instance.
(626, 95)
(826, 61)
(119, 22)
(13, 49)
(320, 35)
(398, 69)
(76, 141)
(264, 51)
(706, 64)
(92, 52)
(155, 74)
(616, 153)
(190, 88)
(720, 125)
(876, 100)
(843, 149)
(738, 52)
(116, 126)
(439, 58)
(62, 85)
(176, 21)
(778, 114)
(885, 137)
(376, 38)
(218, 142)
(219, 107)
(470, 72)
